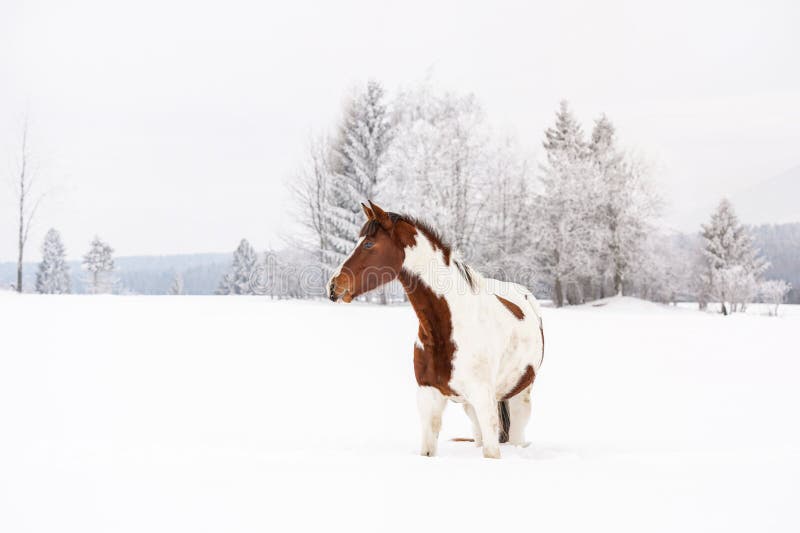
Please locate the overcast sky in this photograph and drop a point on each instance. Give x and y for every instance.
(170, 127)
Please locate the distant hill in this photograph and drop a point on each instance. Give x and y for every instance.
(780, 244)
(773, 201)
(142, 274)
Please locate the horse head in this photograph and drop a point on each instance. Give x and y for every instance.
(377, 257)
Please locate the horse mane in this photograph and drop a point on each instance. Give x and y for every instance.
(372, 226)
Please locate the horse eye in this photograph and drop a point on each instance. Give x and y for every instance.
(368, 244)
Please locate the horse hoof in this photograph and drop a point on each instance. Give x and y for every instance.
(491, 453)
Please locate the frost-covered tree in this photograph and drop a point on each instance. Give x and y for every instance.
(99, 263)
(566, 208)
(242, 277)
(504, 245)
(439, 162)
(313, 248)
(774, 292)
(176, 288)
(53, 274)
(733, 266)
(626, 206)
(357, 164)
(287, 274)
(27, 202)
(662, 271)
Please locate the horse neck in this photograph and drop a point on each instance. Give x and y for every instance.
(429, 280)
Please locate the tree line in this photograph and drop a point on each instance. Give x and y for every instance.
(576, 225)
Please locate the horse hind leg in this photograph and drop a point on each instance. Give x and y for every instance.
(476, 428)
(431, 404)
(519, 410)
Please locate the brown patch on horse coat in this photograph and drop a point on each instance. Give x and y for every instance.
(511, 306)
(524, 381)
(433, 355)
(541, 330)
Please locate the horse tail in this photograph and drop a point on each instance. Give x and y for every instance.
(505, 419)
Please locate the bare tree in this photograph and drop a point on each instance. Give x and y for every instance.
(27, 202)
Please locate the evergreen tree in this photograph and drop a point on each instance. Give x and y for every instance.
(53, 275)
(358, 168)
(625, 205)
(566, 208)
(241, 278)
(564, 141)
(733, 266)
(99, 263)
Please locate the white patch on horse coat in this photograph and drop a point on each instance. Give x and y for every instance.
(493, 347)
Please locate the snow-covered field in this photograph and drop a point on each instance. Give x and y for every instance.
(238, 414)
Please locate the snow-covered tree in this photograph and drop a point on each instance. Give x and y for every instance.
(243, 274)
(774, 292)
(358, 161)
(662, 271)
(439, 162)
(176, 288)
(99, 263)
(626, 206)
(311, 190)
(27, 202)
(288, 274)
(566, 209)
(504, 245)
(53, 274)
(733, 266)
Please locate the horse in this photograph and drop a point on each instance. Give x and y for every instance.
(480, 341)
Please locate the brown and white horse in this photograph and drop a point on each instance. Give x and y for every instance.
(480, 340)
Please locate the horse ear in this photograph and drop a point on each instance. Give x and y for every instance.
(381, 216)
(368, 212)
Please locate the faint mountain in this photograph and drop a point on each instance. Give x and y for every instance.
(780, 245)
(772, 201)
(148, 274)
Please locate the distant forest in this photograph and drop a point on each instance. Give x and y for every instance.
(202, 273)
(149, 274)
(780, 245)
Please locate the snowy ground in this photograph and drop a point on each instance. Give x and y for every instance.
(238, 414)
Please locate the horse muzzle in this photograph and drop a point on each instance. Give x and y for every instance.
(337, 292)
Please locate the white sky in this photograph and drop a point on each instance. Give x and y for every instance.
(170, 127)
